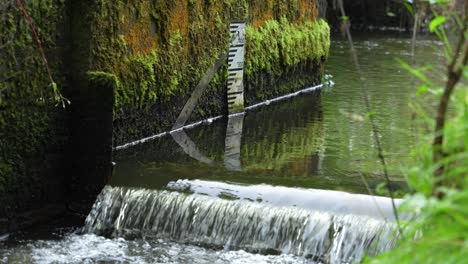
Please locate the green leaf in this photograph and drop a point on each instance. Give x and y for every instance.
(409, 7)
(422, 89)
(54, 87)
(436, 22)
(418, 73)
(371, 114)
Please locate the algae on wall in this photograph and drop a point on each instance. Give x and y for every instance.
(160, 49)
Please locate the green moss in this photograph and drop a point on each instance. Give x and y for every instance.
(103, 79)
(138, 81)
(238, 9)
(28, 115)
(181, 58)
(293, 59)
(288, 44)
(159, 50)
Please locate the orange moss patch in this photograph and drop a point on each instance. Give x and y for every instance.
(308, 10)
(260, 15)
(179, 21)
(139, 38)
(216, 8)
(139, 32)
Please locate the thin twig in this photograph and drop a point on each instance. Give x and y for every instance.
(57, 95)
(413, 40)
(36, 37)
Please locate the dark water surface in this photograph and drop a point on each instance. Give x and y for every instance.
(257, 188)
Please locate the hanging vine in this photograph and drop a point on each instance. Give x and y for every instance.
(57, 95)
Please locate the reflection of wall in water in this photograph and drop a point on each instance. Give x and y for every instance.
(209, 140)
(284, 137)
(278, 139)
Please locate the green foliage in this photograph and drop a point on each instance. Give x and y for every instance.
(409, 7)
(438, 234)
(436, 22)
(438, 229)
(420, 175)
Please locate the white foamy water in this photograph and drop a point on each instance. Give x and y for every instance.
(90, 248)
(237, 225)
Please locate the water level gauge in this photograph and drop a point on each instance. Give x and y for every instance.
(236, 68)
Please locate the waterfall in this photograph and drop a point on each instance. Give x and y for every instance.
(237, 224)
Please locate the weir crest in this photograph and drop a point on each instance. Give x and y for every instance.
(237, 224)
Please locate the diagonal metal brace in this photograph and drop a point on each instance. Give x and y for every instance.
(197, 93)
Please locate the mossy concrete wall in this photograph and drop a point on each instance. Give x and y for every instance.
(33, 131)
(152, 53)
(159, 50)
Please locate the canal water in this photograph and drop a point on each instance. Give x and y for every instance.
(288, 182)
